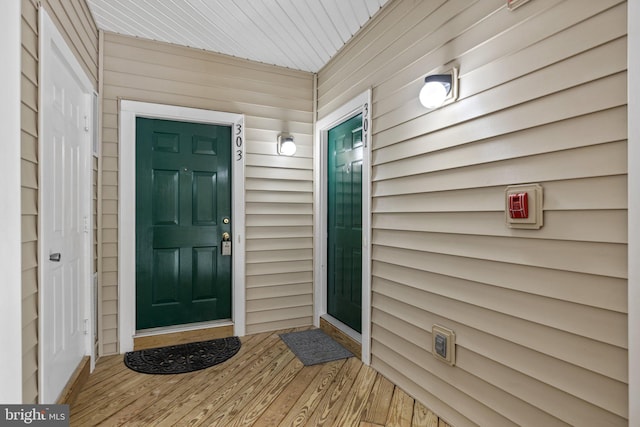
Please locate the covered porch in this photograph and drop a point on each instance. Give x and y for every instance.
(263, 385)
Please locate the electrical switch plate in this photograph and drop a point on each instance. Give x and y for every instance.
(443, 345)
(523, 206)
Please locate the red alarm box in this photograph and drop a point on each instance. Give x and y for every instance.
(519, 205)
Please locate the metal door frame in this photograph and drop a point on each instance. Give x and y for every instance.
(358, 105)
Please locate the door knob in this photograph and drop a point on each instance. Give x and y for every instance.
(226, 237)
(55, 257)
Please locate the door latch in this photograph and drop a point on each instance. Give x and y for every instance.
(55, 257)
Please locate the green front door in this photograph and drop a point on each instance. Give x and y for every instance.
(183, 207)
(344, 223)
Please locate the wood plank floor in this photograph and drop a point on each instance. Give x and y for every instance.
(263, 385)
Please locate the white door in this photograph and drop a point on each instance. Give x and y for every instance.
(65, 175)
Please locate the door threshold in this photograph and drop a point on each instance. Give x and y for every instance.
(182, 334)
(347, 330)
(343, 334)
(181, 328)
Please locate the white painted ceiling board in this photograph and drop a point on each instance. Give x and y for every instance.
(373, 6)
(310, 28)
(298, 34)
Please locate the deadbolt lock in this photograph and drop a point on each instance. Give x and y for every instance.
(225, 220)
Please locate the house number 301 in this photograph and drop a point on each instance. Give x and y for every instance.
(365, 124)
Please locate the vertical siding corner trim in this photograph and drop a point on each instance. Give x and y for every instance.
(10, 244)
(634, 208)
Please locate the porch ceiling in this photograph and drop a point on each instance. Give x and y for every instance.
(298, 34)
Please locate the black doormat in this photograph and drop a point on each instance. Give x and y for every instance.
(314, 346)
(179, 359)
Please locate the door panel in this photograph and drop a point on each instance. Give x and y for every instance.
(166, 267)
(344, 223)
(205, 266)
(165, 205)
(182, 193)
(204, 198)
(65, 201)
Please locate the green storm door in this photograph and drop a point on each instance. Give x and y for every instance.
(183, 207)
(344, 223)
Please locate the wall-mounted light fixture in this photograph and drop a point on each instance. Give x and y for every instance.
(286, 145)
(439, 89)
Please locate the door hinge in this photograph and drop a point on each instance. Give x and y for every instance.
(86, 326)
(86, 224)
(86, 123)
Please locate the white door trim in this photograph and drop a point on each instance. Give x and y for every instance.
(359, 104)
(10, 211)
(49, 34)
(633, 73)
(129, 110)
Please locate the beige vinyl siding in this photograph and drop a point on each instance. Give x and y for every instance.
(278, 189)
(540, 315)
(75, 23)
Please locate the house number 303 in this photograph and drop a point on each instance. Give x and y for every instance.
(238, 142)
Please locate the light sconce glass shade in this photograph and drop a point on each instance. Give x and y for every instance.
(286, 145)
(439, 88)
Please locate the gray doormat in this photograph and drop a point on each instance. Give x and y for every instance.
(314, 346)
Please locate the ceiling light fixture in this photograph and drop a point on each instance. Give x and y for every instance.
(439, 89)
(286, 145)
